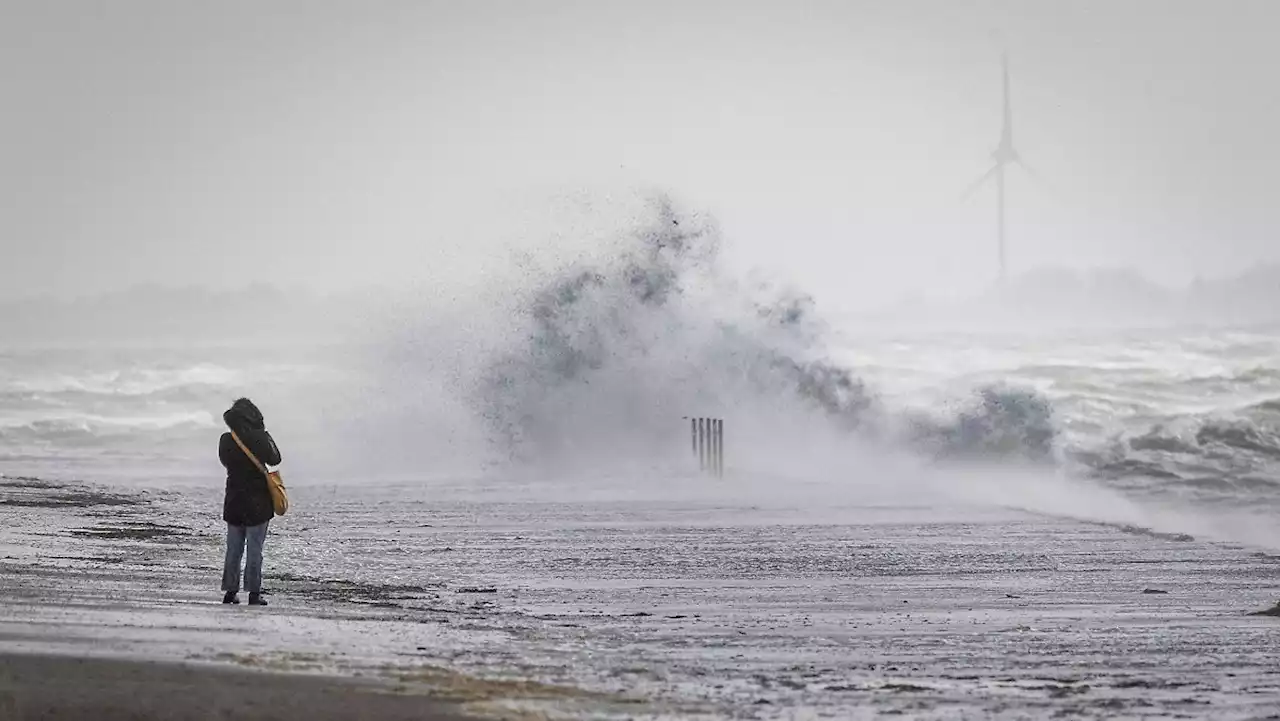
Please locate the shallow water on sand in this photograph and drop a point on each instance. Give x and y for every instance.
(640, 606)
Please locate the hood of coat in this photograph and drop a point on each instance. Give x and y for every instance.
(243, 414)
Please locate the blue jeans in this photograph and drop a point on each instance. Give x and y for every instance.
(237, 538)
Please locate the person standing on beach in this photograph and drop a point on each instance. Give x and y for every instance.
(247, 507)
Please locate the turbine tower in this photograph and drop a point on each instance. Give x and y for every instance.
(1004, 155)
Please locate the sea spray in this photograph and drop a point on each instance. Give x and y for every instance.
(615, 352)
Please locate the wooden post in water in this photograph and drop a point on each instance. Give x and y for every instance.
(693, 435)
(711, 444)
(719, 447)
(702, 444)
(706, 438)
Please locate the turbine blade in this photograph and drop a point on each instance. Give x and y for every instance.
(978, 183)
(1031, 173)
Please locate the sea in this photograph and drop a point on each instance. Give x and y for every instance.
(1192, 413)
(936, 525)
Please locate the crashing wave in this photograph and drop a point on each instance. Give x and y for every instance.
(1213, 454)
(649, 334)
(84, 429)
(1239, 435)
(136, 382)
(616, 350)
(1265, 408)
(1001, 423)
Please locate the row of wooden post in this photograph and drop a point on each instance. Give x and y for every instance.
(707, 436)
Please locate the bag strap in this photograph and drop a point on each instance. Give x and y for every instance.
(261, 468)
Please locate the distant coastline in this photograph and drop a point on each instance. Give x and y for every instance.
(153, 313)
(1044, 300)
(1060, 299)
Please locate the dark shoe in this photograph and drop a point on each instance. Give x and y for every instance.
(256, 599)
(230, 598)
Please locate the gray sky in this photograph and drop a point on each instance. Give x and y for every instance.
(338, 144)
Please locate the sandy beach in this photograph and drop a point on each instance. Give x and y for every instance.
(640, 608)
(64, 688)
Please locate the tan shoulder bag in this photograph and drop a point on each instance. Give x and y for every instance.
(275, 484)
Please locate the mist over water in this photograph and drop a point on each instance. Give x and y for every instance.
(573, 365)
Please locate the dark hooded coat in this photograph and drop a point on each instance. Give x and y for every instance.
(248, 501)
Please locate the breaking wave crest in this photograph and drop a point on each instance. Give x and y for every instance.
(1225, 454)
(1002, 422)
(613, 353)
(82, 429)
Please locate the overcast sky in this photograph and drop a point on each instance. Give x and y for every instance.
(338, 144)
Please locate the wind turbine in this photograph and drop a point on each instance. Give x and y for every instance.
(1004, 155)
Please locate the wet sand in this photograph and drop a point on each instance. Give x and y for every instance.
(503, 600)
(53, 688)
